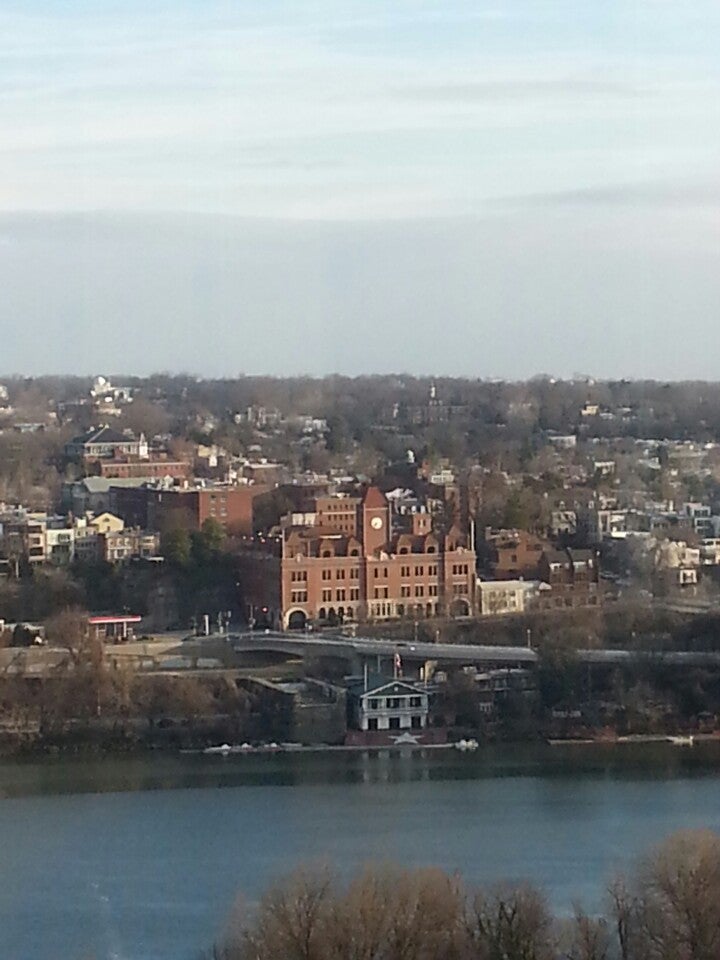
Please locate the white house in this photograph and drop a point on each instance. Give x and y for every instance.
(382, 704)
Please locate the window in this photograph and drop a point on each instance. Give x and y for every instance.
(404, 571)
(327, 574)
(419, 571)
(432, 590)
(372, 723)
(373, 704)
(394, 723)
(404, 590)
(327, 595)
(340, 574)
(339, 594)
(415, 701)
(354, 593)
(299, 596)
(354, 573)
(416, 723)
(419, 591)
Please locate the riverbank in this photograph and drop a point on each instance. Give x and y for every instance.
(196, 738)
(678, 739)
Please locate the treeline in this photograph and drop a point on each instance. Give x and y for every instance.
(83, 699)
(667, 908)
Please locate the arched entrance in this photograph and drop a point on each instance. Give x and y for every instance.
(297, 620)
(460, 608)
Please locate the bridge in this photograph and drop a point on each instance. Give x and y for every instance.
(232, 652)
(359, 651)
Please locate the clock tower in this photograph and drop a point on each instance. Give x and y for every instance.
(375, 521)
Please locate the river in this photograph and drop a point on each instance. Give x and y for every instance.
(142, 858)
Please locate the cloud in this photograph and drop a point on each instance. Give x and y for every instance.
(341, 108)
(669, 194)
(491, 90)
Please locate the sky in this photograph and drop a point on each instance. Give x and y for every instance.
(458, 187)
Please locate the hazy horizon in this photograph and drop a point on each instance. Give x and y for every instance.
(447, 188)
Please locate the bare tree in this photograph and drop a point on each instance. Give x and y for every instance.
(624, 917)
(678, 900)
(70, 630)
(511, 923)
(589, 938)
(393, 914)
(291, 922)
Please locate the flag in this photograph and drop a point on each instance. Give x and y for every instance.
(398, 665)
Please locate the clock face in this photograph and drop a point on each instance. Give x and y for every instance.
(376, 523)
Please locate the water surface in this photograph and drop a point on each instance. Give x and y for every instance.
(142, 859)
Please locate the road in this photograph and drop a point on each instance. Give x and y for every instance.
(365, 649)
(218, 651)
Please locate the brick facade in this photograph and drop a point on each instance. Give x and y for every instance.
(358, 570)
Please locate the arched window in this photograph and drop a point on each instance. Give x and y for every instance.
(326, 553)
(354, 552)
(431, 549)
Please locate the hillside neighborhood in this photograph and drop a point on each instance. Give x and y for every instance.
(558, 517)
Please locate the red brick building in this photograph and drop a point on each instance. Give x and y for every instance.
(574, 578)
(121, 467)
(513, 554)
(190, 507)
(349, 565)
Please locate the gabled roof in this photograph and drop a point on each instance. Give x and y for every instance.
(415, 543)
(377, 684)
(374, 498)
(580, 556)
(102, 434)
(556, 556)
